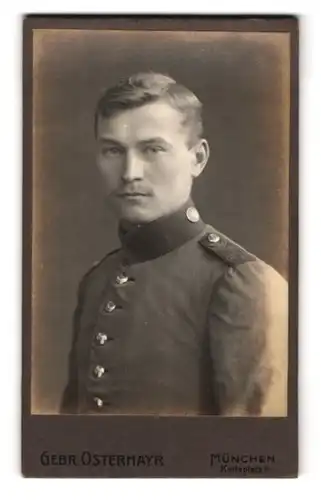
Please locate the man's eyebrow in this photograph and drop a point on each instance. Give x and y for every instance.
(109, 140)
(154, 140)
(144, 142)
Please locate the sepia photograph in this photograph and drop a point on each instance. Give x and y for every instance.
(179, 317)
(159, 221)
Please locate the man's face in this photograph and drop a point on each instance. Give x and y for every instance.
(145, 161)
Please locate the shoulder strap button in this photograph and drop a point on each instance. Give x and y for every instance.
(213, 238)
(225, 248)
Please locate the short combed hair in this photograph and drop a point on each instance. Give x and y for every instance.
(144, 88)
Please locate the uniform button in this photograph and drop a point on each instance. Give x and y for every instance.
(99, 371)
(213, 238)
(192, 214)
(110, 306)
(99, 402)
(121, 279)
(101, 338)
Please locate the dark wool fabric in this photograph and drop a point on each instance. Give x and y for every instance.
(180, 320)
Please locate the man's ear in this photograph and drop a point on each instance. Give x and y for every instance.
(202, 153)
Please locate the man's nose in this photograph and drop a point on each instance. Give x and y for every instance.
(133, 168)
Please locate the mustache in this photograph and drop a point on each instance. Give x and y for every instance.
(134, 190)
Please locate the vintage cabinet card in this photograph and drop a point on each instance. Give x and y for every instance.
(160, 246)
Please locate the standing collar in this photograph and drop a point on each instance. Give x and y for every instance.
(153, 239)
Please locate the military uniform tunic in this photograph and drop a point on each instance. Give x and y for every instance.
(179, 320)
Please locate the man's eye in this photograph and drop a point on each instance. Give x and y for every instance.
(111, 151)
(154, 149)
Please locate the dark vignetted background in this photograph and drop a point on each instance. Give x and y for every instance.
(242, 80)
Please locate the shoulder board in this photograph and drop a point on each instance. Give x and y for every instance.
(225, 248)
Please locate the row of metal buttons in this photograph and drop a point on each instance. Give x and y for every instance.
(121, 279)
(102, 338)
(99, 370)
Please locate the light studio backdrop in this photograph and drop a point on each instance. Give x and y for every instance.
(242, 80)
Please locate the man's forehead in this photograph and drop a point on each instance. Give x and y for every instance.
(153, 119)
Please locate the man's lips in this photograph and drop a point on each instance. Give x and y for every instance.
(132, 194)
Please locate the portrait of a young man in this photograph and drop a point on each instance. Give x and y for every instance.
(160, 223)
(180, 319)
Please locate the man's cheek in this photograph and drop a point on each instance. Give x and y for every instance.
(175, 174)
(167, 170)
(110, 180)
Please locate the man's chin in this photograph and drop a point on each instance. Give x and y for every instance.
(136, 214)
